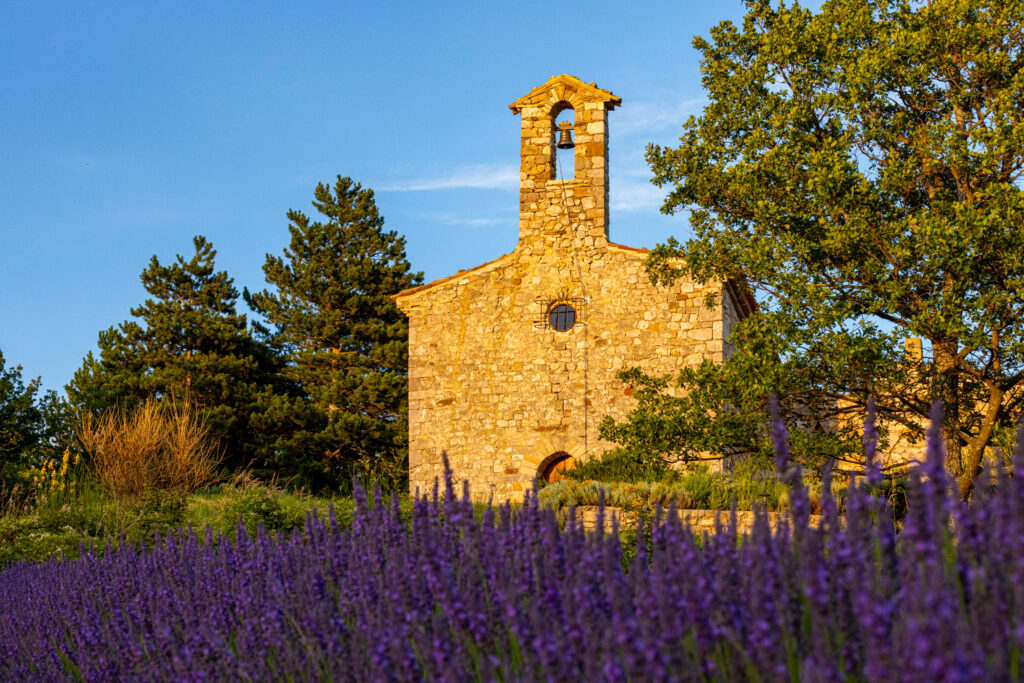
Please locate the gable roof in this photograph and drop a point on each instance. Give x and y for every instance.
(467, 273)
(557, 88)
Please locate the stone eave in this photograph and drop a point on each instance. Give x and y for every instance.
(622, 247)
(468, 273)
(585, 91)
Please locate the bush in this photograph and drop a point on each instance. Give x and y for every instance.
(156, 511)
(699, 485)
(750, 483)
(641, 498)
(26, 540)
(155, 447)
(259, 505)
(620, 464)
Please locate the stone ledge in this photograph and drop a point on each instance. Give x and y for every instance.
(699, 521)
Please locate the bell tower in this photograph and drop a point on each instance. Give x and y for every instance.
(570, 213)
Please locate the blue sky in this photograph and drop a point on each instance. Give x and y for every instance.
(127, 128)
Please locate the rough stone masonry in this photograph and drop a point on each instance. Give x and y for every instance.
(512, 364)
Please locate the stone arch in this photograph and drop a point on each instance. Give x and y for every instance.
(557, 108)
(545, 451)
(550, 468)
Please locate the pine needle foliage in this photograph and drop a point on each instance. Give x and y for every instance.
(187, 343)
(20, 419)
(345, 343)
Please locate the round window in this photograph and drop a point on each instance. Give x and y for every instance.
(561, 317)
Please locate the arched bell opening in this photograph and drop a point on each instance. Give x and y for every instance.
(553, 467)
(563, 148)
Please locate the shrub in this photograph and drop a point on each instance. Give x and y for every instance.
(156, 446)
(620, 464)
(155, 511)
(259, 505)
(640, 498)
(23, 539)
(750, 484)
(60, 522)
(699, 485)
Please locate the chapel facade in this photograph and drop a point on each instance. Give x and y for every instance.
(512, 364)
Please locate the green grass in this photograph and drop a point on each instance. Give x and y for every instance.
(64, 523)
(220, 508)
(61, 523)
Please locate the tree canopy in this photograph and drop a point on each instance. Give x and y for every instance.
(21, 421)
(343, 339)
(860, 167)
(32, 427)
(187, 343)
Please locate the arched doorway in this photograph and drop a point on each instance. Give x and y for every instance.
(552, 468)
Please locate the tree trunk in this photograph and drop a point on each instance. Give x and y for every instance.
(976, 449)
(946, 388)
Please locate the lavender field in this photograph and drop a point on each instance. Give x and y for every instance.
(515, 596)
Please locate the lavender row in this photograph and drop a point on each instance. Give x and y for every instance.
(516, 596)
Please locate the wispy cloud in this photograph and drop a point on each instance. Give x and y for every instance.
(646, 118)
(475, 177)
(629, 193)
(455, 219)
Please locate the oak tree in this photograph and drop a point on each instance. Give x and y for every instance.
(859, 166)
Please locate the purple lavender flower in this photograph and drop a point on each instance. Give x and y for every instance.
(446, 596)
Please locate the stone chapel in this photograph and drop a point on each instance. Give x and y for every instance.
(512, 364)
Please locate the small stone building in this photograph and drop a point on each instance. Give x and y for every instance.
(512, 364)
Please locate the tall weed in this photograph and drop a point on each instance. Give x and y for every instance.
(154, 447)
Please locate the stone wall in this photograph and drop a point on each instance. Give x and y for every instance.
(492, 384)
(699, 521)
(501, 394)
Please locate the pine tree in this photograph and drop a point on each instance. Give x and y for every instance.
(186, 343)
(21, 422)
(33, 428)
(344, 339)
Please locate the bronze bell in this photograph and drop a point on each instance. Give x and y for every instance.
(565, 136)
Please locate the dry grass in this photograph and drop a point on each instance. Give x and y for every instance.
(14, 500)
(155, 447)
